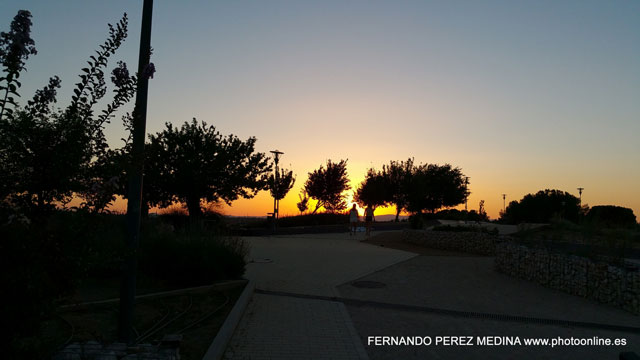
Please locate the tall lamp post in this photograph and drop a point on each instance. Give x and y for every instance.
(128, 283)
(466, 198)
(504, 203)
(580, 192)
(276, 203)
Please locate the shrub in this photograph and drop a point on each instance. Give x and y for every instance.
(191, 257)
(461, 228)
(41, 262)
(416, 221)
(542, 207)
(45, 260)
(611, 216)
(314, 219)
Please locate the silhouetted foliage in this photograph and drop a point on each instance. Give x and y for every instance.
(280, 184)
(105, 180)
(195, 162)
(455, 214)
(375, 190)
(319, 219)
(432, 187)
(611, 216)
(542, 207)
(463, 228)
(47, 155)
(303, 204)
(482, 213)
(397, 174)
(15, 48)
(327, 186)
(45, 260)
(201, 256)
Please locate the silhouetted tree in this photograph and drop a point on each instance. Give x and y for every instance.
(328, 185)
(15, 48)
(375, 190)
(106, 179)
(198, 163)
(280, 185)
(611, 216)
(542, 207)
(303, 204)
(432, 187)
(46, 155)
(397, 174)
(482, 213)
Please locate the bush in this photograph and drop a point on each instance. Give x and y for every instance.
(460, 215)
(179, 219)
(41, 261)
(611, 216)
(416, 221)
(314, 219)
(45, 260)
(191, 257)
(542, 207)
(461, 228)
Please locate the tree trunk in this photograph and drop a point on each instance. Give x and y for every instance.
(193, 206)
(144, 209)
(397, 214)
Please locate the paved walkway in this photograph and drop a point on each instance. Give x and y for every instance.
(276, 327)
(471, 284)
(324, 265)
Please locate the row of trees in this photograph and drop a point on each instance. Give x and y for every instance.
(50, 155)
(403, 184)
(413, 188)
(549, 204)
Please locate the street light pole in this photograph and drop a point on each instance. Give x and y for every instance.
(276, 203)
(504, 203)
(136, 167)
(580, 192)
(466, 196)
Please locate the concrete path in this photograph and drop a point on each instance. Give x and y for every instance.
(324, 265)
(276, 327)
(469, 284)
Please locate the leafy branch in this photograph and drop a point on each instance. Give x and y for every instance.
(15, 48)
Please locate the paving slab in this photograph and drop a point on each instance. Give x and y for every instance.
(390, 322)
(315, 264)
(279, 327)
(472, 284)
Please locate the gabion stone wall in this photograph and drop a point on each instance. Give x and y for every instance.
(469, 242)
(597, 280)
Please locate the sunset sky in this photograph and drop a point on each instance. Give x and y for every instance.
(521, 95)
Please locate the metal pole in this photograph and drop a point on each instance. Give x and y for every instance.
(504, 203)
(466, 198)
(276, 203)
(128, 284)
(580, 192)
